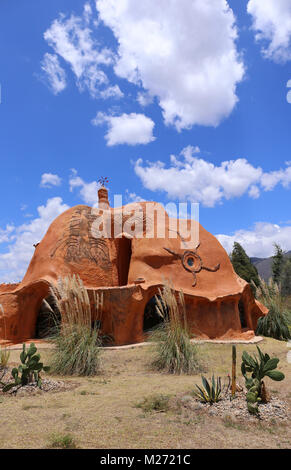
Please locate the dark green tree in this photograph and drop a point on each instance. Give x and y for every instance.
(278, 263)
(243, 266)
(286, 278)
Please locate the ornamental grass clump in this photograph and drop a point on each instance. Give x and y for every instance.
(4, 358)
(77, 339)
(4, 352)
(174, 352)
(275, 323)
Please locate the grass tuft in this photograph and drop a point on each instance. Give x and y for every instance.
(157, 402)
(78, 339)
(4, 352)
(62, 441)
(4, 358)
(174, 352)
(275, 323)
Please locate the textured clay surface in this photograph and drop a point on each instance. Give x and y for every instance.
(129, 270)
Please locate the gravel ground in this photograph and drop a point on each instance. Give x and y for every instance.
(275, 409)
(48, 385)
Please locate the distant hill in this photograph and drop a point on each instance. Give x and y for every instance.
(264, 265)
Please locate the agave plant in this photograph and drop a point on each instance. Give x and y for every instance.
(258, 369)
(210, 392)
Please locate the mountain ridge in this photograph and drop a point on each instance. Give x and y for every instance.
(264, 265)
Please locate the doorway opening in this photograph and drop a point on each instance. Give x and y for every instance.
(48, 319)
(151, 317)
(242, 314)
(123, 261)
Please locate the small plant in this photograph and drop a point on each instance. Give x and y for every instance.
(156, 402)
(4, 353)
(29, 369)
(258, 369)
(4, 358)
(174, 351)
(275, 323)
(62, 441)
(210, 392)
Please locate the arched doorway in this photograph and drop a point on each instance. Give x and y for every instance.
(48, 318)
(151, 317)
(242, 315)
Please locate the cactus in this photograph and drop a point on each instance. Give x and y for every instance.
(258, 368)
(233, 382)
(211, 392)
(28, 370)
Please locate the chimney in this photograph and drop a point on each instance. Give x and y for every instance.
(103, 202)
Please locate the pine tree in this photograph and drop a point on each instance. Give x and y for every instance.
(286, 278)
(243, 266)
(278, 263)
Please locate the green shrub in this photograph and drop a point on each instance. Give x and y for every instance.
(174, 351)
(157, 402)
(210, 392)
(258, 368)
(275, 323)
(62, 441)
(78, 338)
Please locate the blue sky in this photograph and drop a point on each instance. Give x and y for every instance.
(112, 88)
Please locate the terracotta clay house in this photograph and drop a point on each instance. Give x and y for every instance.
(129, 268)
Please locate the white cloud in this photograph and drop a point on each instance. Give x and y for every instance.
(270, 180)
(144, 99)
(87, 12)
(111, 92)
(73, 40)
(132, 197)
(183, 52)
(54, 73)
(14, 262)
(195, 179)
(254, 192)
(259, 241)
(272, 23)
(88, 191)
(130, 129)
(5, 233)
(48, 180)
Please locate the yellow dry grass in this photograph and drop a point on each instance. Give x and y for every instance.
(101, 413)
